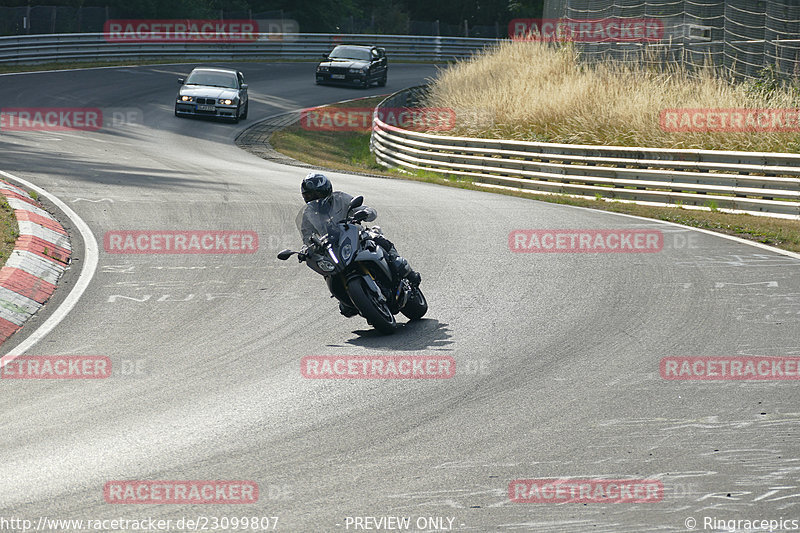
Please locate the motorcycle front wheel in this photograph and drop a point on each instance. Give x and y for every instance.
(416, 306)
(376, 312)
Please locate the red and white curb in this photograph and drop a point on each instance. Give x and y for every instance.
(40, 256)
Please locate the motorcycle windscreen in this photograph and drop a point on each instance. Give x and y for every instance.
(323, 216)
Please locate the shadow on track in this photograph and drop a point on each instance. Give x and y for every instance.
(425, 334)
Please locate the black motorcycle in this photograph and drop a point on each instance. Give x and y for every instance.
(355, 268)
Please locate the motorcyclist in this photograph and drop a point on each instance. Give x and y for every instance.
(317, 186)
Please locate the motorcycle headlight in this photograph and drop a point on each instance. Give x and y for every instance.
(326, 265)
(347, 251)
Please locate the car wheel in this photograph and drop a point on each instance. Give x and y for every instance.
(176, 111)
(365, 84)
(235, 118)
(246, 107)
(382, 81)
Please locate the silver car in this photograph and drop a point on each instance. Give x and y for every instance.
(213, 92)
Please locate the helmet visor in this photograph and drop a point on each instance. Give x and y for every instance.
(314, 194)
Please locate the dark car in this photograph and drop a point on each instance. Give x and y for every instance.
(354, 65)
(213, 92)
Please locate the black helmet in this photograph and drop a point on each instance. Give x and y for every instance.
(316, 186)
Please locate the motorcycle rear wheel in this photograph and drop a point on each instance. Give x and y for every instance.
(376, 312)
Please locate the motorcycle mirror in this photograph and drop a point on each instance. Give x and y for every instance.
(356, 202)
(285, 254)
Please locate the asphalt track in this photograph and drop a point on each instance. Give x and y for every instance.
(557, 354)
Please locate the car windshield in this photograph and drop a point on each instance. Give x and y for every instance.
(323, 216)
(349, 52)
(212, 78)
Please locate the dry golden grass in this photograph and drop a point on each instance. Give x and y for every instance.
(534, 91)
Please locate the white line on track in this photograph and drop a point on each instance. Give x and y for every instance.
(87, 272)
(740, 240)
(793, 255)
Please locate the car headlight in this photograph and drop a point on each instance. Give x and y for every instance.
(322, 69)
(356, 71)
(187, 98)
(225, 101)
(326, 265)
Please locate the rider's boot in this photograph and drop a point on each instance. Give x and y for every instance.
(347, 310)
(401, 269)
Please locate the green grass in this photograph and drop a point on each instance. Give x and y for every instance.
(9, 230)
(349, 151)
(341, 150)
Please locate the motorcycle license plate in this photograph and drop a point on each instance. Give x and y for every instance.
(206, 108)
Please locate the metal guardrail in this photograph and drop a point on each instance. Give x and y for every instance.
(750, 182)
(95, 46)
